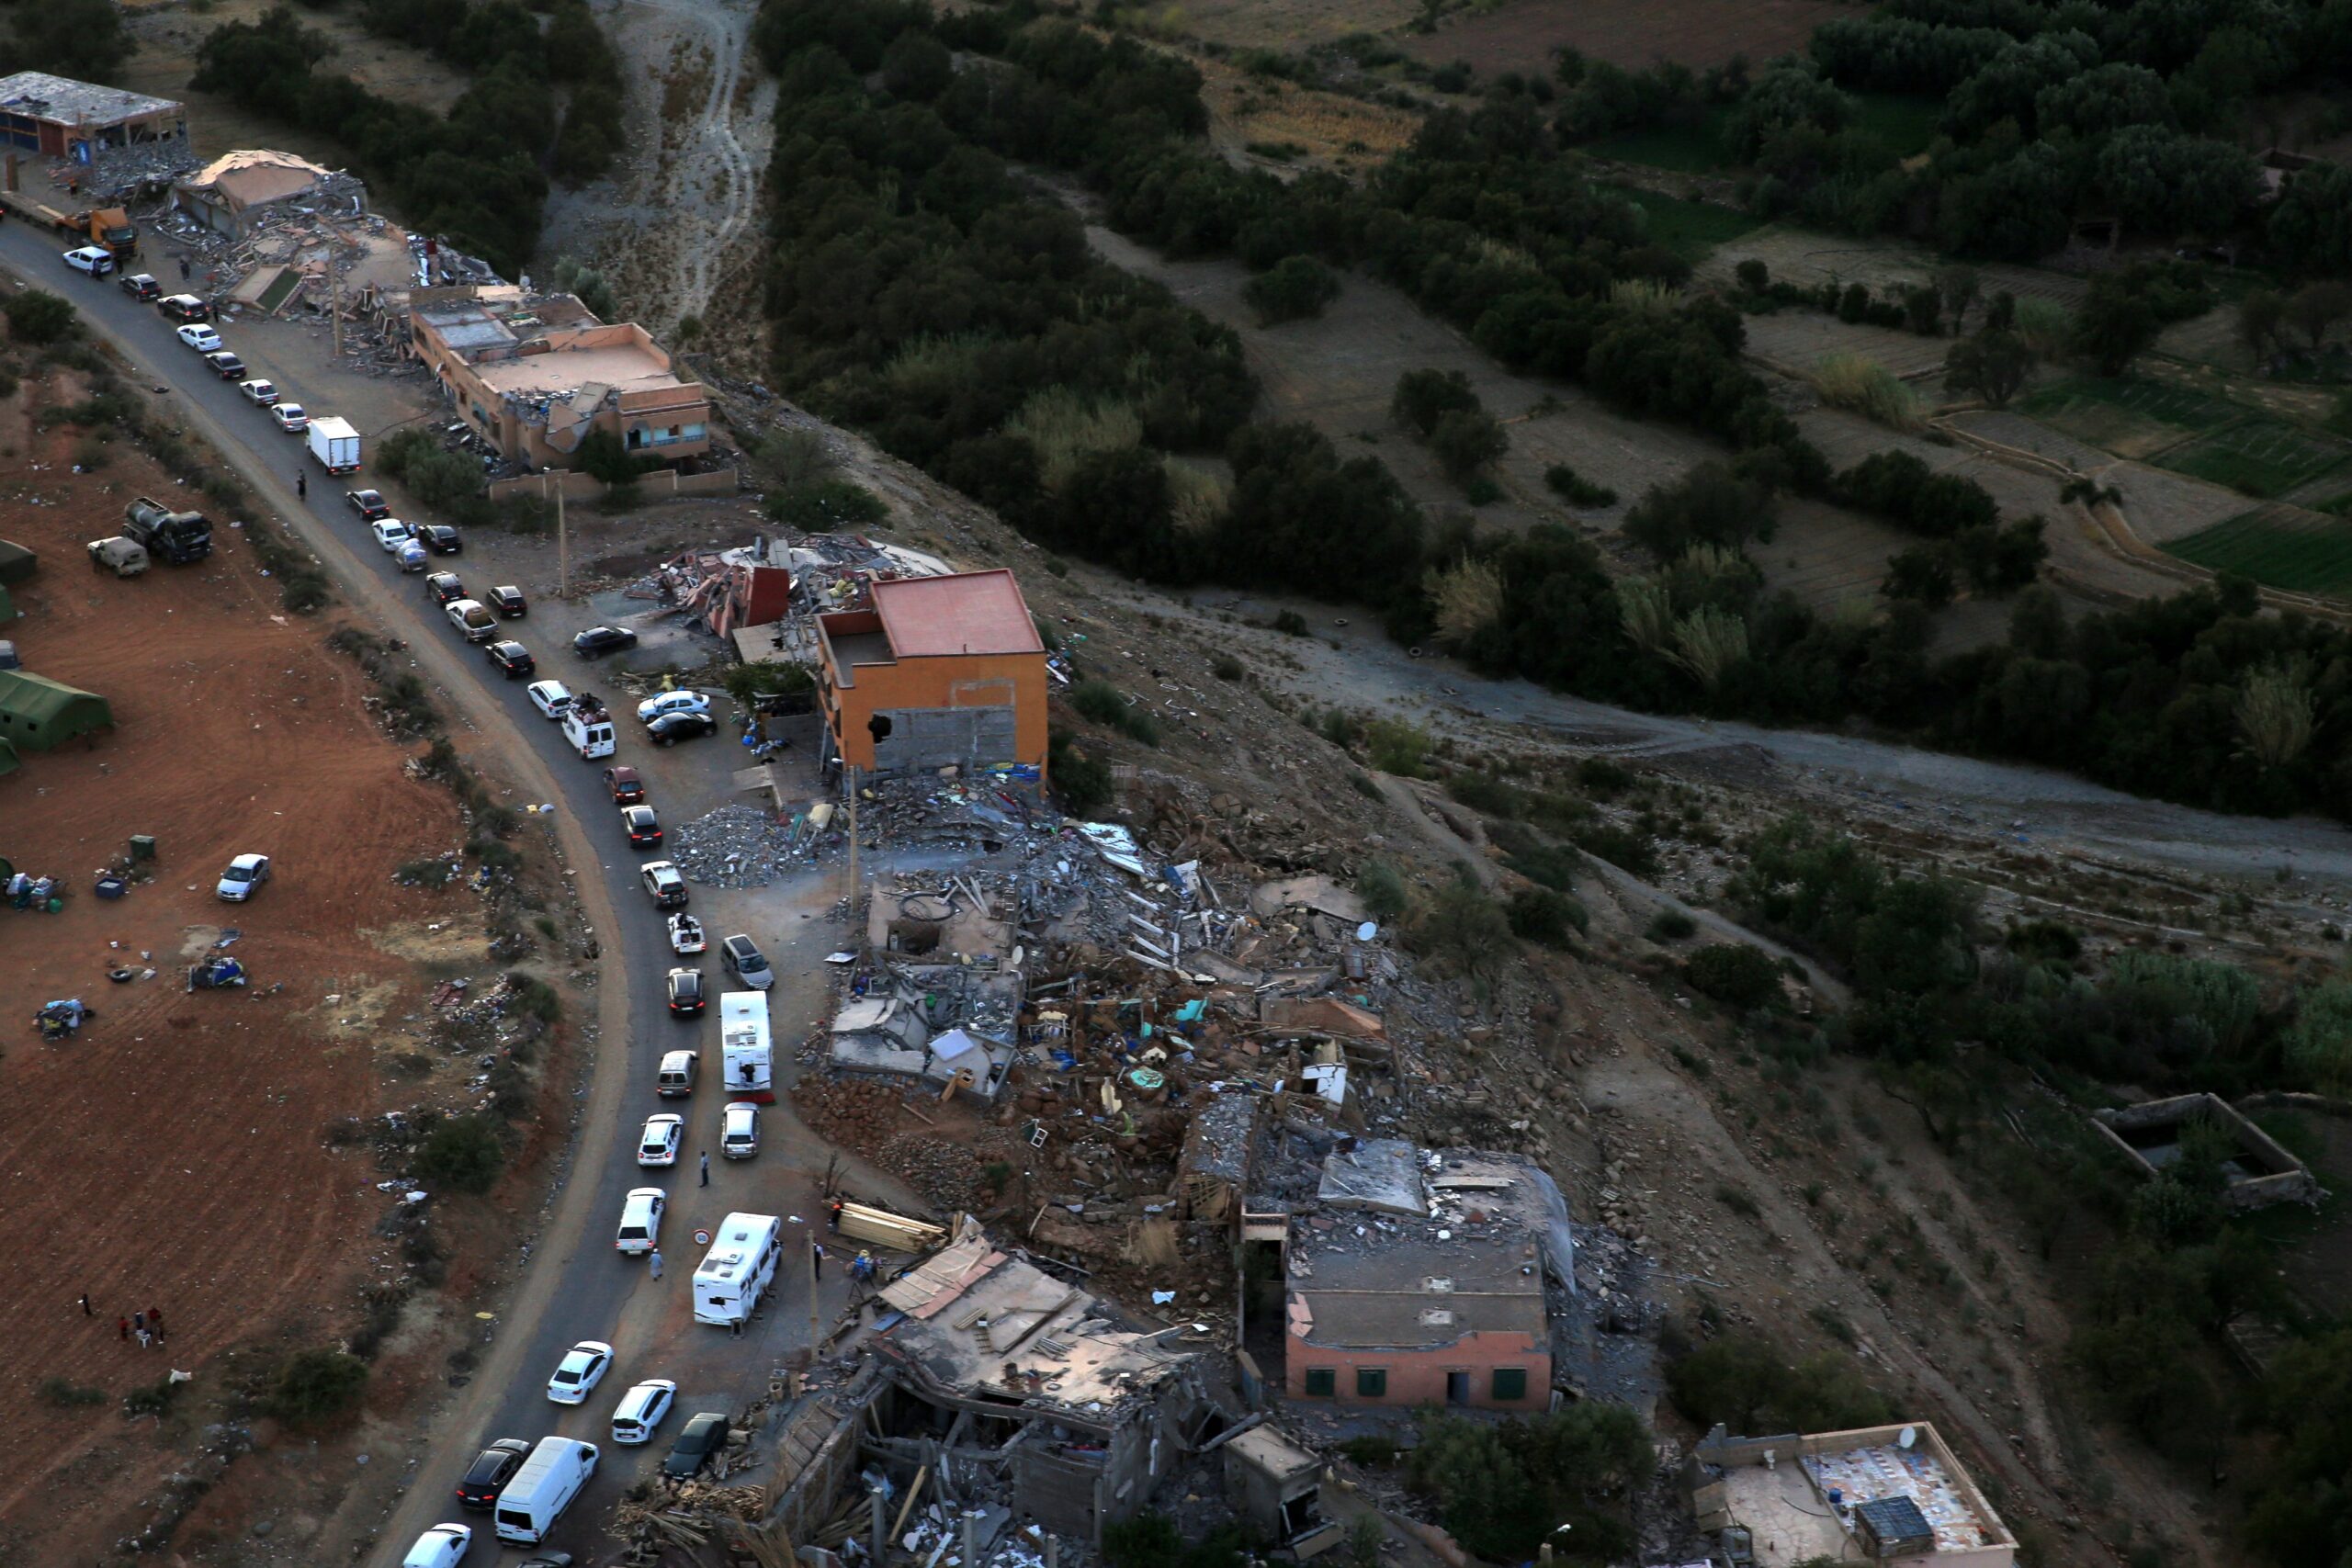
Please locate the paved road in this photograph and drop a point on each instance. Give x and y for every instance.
(578, 1288)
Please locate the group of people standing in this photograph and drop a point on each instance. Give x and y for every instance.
(147, 1326)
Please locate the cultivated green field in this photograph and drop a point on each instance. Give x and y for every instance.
(2258, 457)
(2277, 547)
(1689, 228)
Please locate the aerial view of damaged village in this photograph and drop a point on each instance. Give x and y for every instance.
(1176, 784)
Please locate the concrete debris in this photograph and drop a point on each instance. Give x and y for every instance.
(735, 846)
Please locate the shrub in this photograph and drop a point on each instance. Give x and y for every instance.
(1542, 914)
(534, 997)
(1294, 289)
(1083, 782)
(1463, 930)
(1382, 887)
(1228, 668)
(150, 1399)
(1396, 746)
(1735, 974)
(1748, 1384)
(462, 1153)
(315, 1386)
(39, 316)
(63, 1393)
(1464, 441)
(823, 505)
(1107, 705)
(1424, 397)
(1671, 925)
(1577, 491)
(1867, 388)
(433, 874)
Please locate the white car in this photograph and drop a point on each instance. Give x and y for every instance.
(258, 391)
(552, 698)
(640, 1229)
(391, 533)
(641, 1409)
(96, 260)
(289, 417)
(443, 1546)
(658, 1145)
(579, 1372)
(200, 337)
(685, 934)
(244, 873)
(654, 708)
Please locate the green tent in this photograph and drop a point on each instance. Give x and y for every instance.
(16, 562)
(7, 607)
(9, 763)
(37, 713)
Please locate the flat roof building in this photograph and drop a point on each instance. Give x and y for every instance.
(1870, 1494)
(60, 118)
(535, 374)
(941, 671)
(1422, 1279)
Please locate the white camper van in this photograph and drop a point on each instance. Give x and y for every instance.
(744, 1045)
(739, 1266)
(543, 1488)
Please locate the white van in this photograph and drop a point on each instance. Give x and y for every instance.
(738, 1130)
(677, 1079)
(473, 617)
(592, 737)
(543, 1488)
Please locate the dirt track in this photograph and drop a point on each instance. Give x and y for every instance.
(173, 1155)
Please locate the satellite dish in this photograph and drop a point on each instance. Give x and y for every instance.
(1906, 1437)
(1367, 930)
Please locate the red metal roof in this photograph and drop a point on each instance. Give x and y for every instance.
(972, 611)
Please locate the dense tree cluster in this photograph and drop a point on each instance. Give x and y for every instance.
(475, 175)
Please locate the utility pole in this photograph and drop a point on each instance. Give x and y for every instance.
(334, 286)
(851, 768)
(814, 1332)
(562, 544)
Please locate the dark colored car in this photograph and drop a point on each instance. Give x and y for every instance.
(513, 658)
(444, 587)
(644, 828)
(685, 992)
(698, 1445)
(674, 727)
(491, 1470)
(626, 787)
(226, 365)
(507, 600)
(440, 539)
(368, 503)
(184, 307)
(602, 640)
(139, 286)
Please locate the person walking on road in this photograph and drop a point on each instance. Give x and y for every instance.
(122, 1325)
(816, 1260)
(155, 1323)
(183, 269)
(706, 1167)
(85, 1305)
(657, 1263)
(302, 486)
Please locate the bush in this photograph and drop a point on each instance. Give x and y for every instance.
(1464, 441)
(1671, 925)
(150, 1399)
(1748, 1384)
(1294, 289)
(1867, 388)
(1382, 887)
(462, 1153)
(1576, 491)
(63, 1393)
(1503, 1489)
(823, 505)
(432, 874)
(39, 316)
(316, 1386)
(1542, 914)
(1396, 746)
(1735, 974)
(1424, 397)
(1106, 704)
(1083, 782)
(1463, 930)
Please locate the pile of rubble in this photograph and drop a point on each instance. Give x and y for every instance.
(735, 846)
(948, 1174)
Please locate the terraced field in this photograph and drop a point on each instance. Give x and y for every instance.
(2280, 546)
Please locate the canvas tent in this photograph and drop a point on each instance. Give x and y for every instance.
(16, 563)
(37, 713)
(9, 763)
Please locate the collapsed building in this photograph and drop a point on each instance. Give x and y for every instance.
(238, 194)
(1007, 1382)
(2255, 1171)
(108, 139)
(533, 374)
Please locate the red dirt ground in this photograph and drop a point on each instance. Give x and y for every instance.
(172, 1155)
(1521, 36)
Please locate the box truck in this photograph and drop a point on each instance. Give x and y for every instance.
(336, 445)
